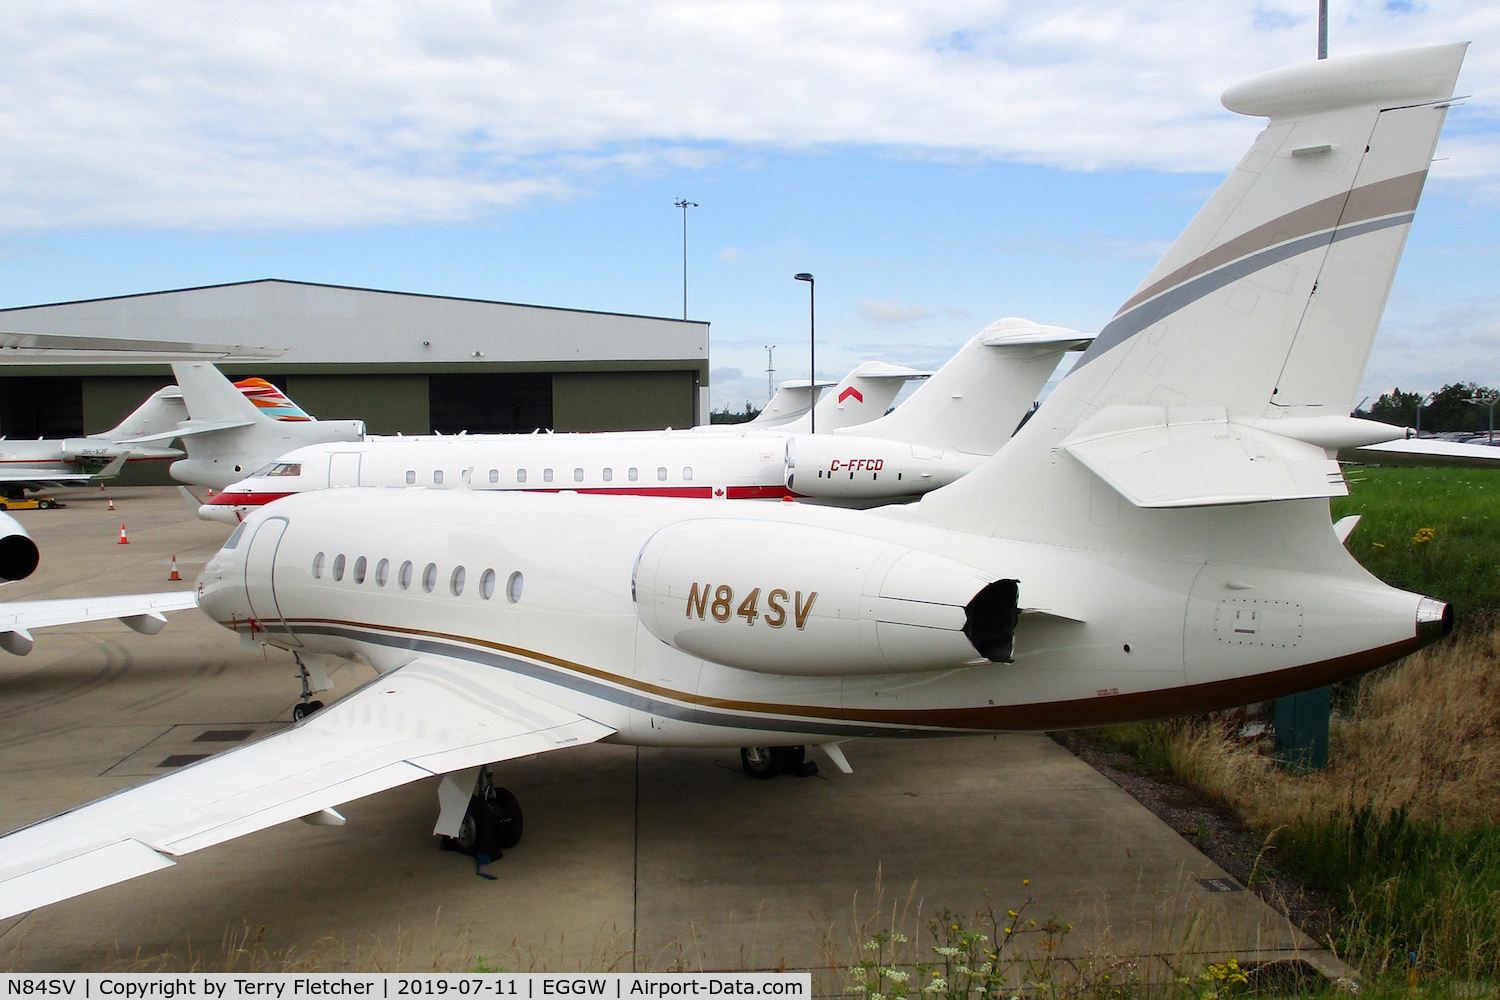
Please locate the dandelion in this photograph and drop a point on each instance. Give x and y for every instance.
(1423, 536)
(1026, 881)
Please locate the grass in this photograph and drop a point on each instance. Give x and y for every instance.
(1403, 829)
(1461, 507)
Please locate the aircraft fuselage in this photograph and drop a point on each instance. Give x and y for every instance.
(677, 624)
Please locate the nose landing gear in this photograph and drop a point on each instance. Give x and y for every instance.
(307, 706)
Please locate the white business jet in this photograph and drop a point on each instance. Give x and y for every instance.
(80, 461)
(233, 431)
(950, 425)
(1155, 540)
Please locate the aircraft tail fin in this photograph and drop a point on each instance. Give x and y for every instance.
(975, 401)
(210, 397)
(162, 411)
(272, 401)
(1262, 312)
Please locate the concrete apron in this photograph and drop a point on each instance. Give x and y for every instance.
(649, 859)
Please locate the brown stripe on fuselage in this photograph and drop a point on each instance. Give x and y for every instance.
(1071, 714)
(1372, 201)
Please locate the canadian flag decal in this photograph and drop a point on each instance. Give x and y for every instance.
(851, 391)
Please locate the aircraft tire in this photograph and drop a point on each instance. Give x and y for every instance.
(505, 818)
(792, 759)
(761, 762)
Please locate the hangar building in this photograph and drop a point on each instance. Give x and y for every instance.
(403, 363)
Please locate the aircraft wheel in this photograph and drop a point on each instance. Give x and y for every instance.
(473, 833)
(505, 817)
(303, 709)
(761, 762)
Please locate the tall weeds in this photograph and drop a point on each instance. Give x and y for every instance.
(1401, 829)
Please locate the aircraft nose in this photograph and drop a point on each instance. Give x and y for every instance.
(221, 587)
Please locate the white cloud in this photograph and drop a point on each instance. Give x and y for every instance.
(292, 114)
(893, 311)
(1429, 345)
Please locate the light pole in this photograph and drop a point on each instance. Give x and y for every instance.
(1322, 29)
(1421, 403)
(812, 351)
(1490, 402)
(684, 204)
(770, 372)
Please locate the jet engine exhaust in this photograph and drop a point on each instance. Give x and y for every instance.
(1434, 620)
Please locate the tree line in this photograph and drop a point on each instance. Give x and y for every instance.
(1462, 406)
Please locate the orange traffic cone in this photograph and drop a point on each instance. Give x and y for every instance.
(111, 503)
(123, 539)
(175, 575)
(210, 491)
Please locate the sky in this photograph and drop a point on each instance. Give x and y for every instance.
(935, 165)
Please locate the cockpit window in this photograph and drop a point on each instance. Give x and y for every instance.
(234, 539)
(286, 469)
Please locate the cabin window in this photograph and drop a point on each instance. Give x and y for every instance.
(577, 475)
(494, 475)
(546, 475)
(661, 473)
(437, 477)
(633, 474)
(234, 537)
(429, 578)
(609, 475)
(404, 577)
(520, 475)
(359, 570)
(338, 566)
(382, 572)
(456, 581)
(687, 472)
(286, 469)
(411, 477)
(487, 584)
(513, 587)
(317, 559)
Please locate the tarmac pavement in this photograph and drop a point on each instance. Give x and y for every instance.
(644, 859)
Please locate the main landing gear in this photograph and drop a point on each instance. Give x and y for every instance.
(768, 762)
(491, 825)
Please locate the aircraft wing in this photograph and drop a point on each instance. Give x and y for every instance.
(51, 477)
(425, 718)
(142, 612)
(1430, 451)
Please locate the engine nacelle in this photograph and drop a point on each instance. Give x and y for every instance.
(838, 466)
(18, 553)
(803, 600)
(86, 452)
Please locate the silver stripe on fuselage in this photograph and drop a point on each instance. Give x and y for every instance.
(719, 718)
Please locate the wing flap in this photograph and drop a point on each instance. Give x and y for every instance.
(1197, 457)
(427, 717)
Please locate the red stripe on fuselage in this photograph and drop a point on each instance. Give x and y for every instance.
(686, 492)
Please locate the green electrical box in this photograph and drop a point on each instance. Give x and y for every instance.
(1302, 730)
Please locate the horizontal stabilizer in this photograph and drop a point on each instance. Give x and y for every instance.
(1158, 456)
(191, 428)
